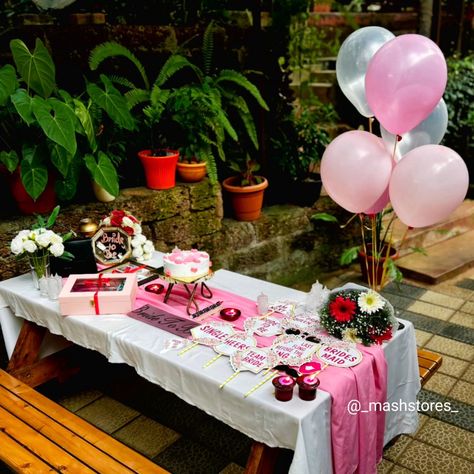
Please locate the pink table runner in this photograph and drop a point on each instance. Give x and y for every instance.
(357, 440)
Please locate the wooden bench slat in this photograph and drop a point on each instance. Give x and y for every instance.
(55, 432)
(20, 459)
(428, 364)
(35, 442)
(82, 428)
(424, 354)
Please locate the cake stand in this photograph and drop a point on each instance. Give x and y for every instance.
(191, 287)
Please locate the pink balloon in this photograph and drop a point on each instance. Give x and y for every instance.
(405, 80)
(428, 184)
(355, 170)
(380, 204)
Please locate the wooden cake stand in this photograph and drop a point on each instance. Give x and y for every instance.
(191, 287)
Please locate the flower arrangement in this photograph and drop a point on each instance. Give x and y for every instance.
(39, 243)
(142, 248)
(356, 315)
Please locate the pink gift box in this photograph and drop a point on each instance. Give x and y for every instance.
(98, 293)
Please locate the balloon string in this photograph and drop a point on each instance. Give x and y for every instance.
(364, 246)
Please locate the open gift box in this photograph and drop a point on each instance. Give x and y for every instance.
(97, 293)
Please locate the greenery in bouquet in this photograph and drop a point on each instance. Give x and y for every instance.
(361, 316)
(40, 242)
(142, 248)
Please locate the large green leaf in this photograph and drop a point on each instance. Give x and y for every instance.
(82, 113)
(57, 121)
(60, 158)
(66, 187)
(34, 174)
(36, 69)
(9, 159)
(112, 101)
(103, 172)
(8, 83)
(23, 105)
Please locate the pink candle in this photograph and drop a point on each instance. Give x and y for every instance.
(307, 386)
(230, 314)
(283, 387)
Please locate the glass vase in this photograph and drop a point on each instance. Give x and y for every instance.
(39, 265)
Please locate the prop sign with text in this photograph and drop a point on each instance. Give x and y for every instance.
(293, 350)
(253, 359)
(111, 245)
(303, 321)
(213, 333)
(265, 327)
(340, 357)
(237, 342)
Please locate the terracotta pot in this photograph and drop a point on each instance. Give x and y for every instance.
(247, 201)
(367, 262)
(159, 170)
(191, 172)
(43, 205)
(322, 7)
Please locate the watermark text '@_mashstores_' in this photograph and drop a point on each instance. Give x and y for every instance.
(355, 406)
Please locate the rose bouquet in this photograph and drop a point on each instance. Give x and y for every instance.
(142, 248)
(357, 315)
(39, 243)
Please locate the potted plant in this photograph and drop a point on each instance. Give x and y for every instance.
(200, 107)
(246, 189)
(43, 129)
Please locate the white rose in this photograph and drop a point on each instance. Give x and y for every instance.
(127, 222)
(16, 245)
(137, 252)
(23, 234)
(44, 239)
(138, 240)
(137, 228)
(105, 221)
(30, 246)
(57, 249)
(148, 246)
(146, 256)
(55, 238)
(33, 234)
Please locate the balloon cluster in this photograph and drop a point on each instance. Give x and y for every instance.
(399, 81)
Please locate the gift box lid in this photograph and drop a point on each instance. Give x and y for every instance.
(107, 286)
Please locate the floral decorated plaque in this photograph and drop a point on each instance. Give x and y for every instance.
(237, 342)
(340, 356)
(265, 327)
(293, 350)
(253, 359)
(303, 321)
(111, 245)
(212, 333)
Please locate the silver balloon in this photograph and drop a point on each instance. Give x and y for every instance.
(54, 4)
(429, 132)
(352, 62)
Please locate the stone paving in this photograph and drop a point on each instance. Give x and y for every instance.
(184, 440)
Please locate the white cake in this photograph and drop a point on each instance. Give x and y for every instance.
(186, 265)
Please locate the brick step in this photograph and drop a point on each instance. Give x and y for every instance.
(459, 222)
(443, 260)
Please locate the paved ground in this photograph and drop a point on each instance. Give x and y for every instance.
(184, 440)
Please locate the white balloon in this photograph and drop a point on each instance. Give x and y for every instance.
(429, 132)
(352, 61)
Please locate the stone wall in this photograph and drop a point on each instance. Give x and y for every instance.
(283, 246)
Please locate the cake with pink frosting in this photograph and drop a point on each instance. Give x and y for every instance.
(186, 265)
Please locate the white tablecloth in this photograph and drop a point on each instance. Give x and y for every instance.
(298, 425)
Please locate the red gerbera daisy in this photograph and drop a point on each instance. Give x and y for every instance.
(342, 309)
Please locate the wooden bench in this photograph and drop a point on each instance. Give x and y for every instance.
(428, 364)
(37, 435)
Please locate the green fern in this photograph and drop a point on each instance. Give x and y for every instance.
(122, 81)
(111, 49)
(208, 48)
(239, 103)
(228, 75)
(173, 65)
(136, 96)
(210, 160)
